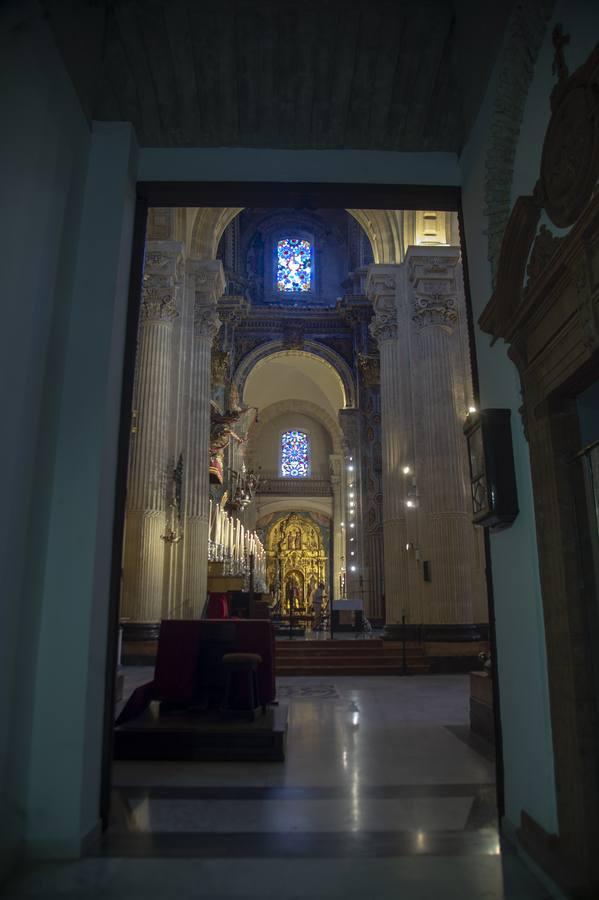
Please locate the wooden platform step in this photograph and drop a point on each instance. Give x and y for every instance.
(202, 737)
(331, 671)
(347, 657)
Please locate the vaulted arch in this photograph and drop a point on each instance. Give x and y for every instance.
(334, 369)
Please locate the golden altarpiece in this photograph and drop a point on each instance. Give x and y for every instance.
(296, 562)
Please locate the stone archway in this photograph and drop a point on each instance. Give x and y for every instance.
(319, 352)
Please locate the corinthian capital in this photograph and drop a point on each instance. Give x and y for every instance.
(163, 268)
(434, 279)
(381, 289)
(208, 279)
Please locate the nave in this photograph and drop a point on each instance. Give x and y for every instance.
(384, 794)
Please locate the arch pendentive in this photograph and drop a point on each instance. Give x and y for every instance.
(314, 349)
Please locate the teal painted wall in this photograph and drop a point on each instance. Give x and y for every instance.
(43, 158)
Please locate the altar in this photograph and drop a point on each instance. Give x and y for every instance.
(348, 616)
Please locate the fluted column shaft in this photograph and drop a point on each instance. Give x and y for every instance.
(447, 535)
(206, 279)
(143, 561)
(383, 286)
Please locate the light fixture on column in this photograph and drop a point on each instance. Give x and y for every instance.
(406, 470)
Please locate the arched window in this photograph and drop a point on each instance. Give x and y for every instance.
(295, 454)
(294, 265)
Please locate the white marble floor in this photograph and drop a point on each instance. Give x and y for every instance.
(382, 795)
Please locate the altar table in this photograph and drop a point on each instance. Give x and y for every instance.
(179, 649)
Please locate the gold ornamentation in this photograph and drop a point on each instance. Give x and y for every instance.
(370, 369)
(296, 562)
(220, 366)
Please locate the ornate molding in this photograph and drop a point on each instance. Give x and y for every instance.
(232, 310)
(433, 279)
(354, 310)
(207, 280)
(350, 422)
(220, 366)
(570, 160)
(293, 336)
(381, 288)
(587, 293)
(524, 37)
(544, 247)
(207, 277)
(157, 304)
(206, 321)
(437, 309)
(517, 241)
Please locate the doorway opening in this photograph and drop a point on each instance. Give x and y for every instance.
(292, 440)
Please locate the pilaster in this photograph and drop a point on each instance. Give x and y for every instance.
(441, 387)
(145, 519)
(205, 284)
(384, 286)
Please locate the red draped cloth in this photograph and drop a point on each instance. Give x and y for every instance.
(218, 606)
(179, 648)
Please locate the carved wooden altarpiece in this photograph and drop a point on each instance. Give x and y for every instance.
(546, 307)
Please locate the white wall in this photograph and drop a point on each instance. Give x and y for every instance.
(43, 158)
(528, 751)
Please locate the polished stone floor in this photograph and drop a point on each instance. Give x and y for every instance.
(384, 794)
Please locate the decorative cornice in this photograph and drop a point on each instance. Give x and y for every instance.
(381, 288)
(208, 278)
(524, 37)
(233, 309)
(354, 310)
(293, 336)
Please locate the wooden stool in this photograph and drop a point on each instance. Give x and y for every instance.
(239, 664)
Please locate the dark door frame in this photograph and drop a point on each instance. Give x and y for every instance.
(294, 195)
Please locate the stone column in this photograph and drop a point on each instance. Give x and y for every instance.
(383, 288)
(441, 387)
(206, 281)
(145, 518)
(370, 404)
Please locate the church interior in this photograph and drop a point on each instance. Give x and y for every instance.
(301, 377)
